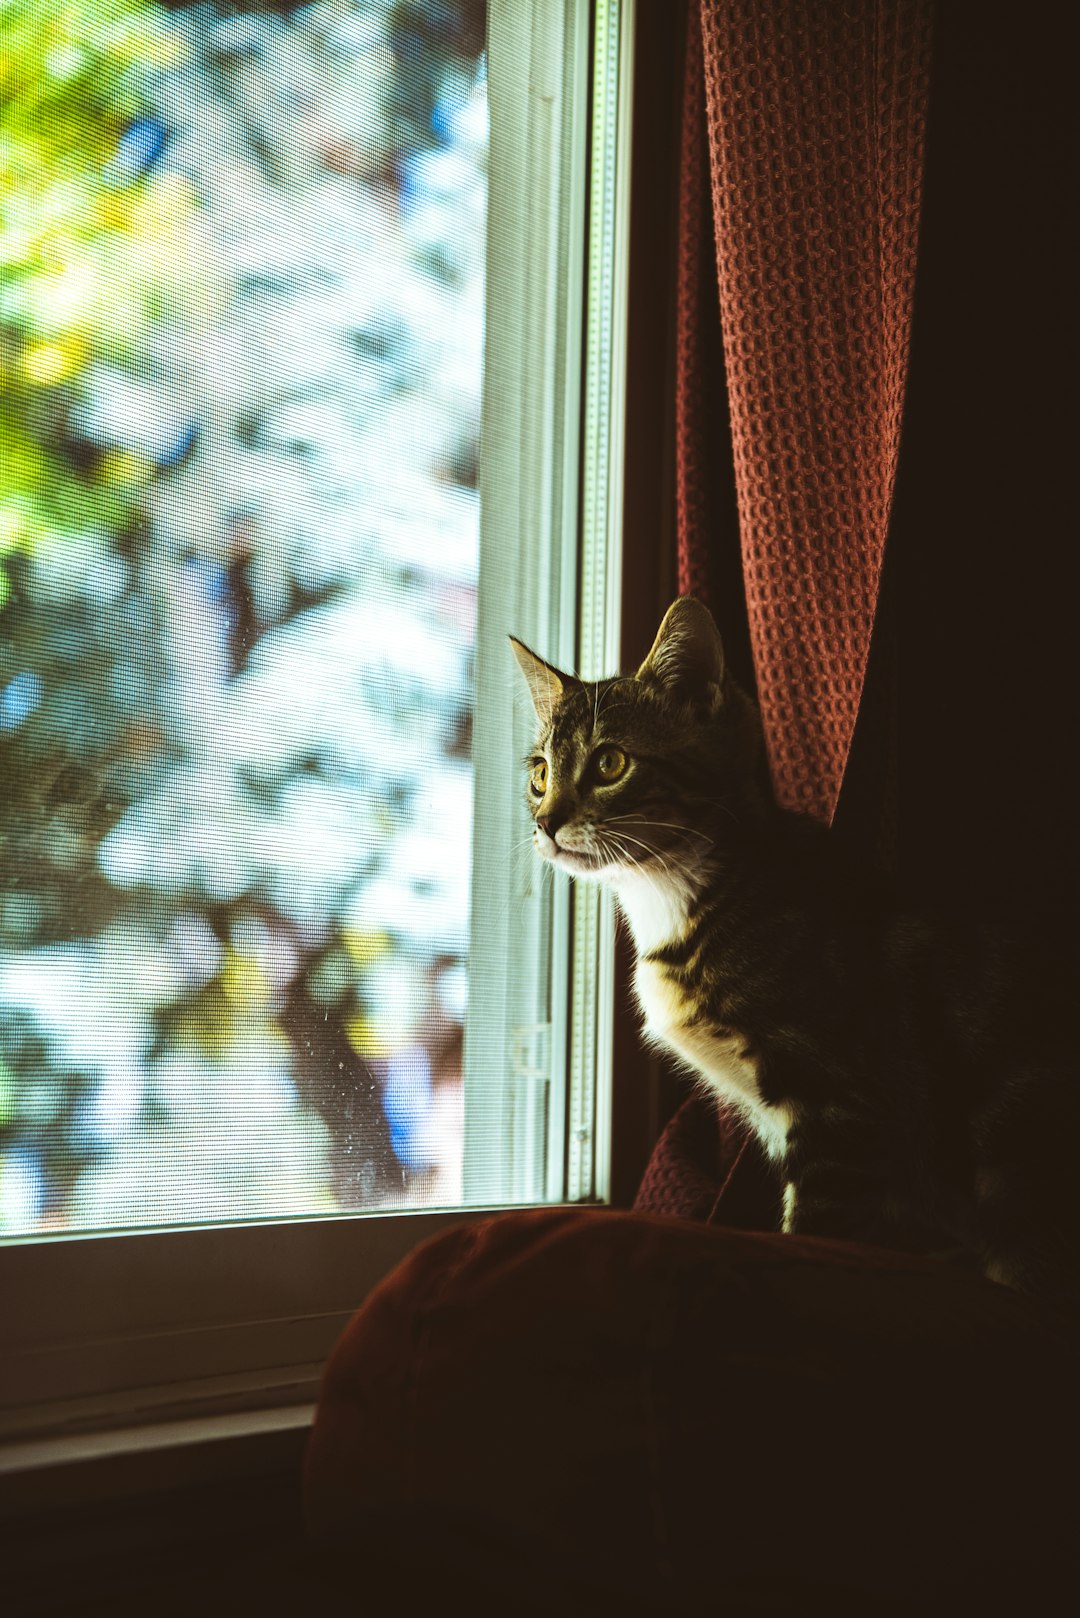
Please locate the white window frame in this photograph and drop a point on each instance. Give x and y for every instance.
(106, 1339)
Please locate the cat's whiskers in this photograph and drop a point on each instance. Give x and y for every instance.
(606, 704)
(526, 868)
(615, 842)
(725, 808)
(669, 869)
(688, 832)
(520, 857)
(600, 705)
(609, 843)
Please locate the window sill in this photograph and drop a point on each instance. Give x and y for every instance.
(72, 1468)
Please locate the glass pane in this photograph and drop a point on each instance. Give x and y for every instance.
(242, 256)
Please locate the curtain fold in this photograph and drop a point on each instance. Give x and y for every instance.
(815, 119)
(695, 321)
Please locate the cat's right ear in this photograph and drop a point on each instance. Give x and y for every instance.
(546, 685)
(687, 657)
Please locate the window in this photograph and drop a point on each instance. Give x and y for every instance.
(311, 337)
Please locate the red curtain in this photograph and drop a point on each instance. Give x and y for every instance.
(802, 164)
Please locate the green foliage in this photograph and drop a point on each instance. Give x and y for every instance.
(90, 252)
(45, 1105)
(85, 257)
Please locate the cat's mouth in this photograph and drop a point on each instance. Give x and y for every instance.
(572, 859)
(578, 860)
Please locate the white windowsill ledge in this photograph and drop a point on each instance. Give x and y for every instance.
(33, 1454)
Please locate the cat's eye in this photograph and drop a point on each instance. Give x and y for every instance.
(538, 778)
(610, 763)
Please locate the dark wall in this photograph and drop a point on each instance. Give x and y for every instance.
(645, 1092)
(969, 719)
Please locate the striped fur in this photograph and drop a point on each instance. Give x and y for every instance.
(915, 1081)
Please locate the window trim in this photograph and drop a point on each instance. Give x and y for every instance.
(530, 473)
(593, 956)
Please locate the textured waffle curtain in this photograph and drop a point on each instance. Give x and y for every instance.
(802, 164)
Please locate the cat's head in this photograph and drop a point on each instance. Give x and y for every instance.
(647, 772)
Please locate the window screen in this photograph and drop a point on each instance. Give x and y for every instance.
(242, 313)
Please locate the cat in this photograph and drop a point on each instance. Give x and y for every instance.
(912, 1079)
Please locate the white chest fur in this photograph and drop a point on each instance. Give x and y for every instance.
(656, 907)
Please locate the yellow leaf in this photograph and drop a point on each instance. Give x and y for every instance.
(243, 982)
(47, 363)
(364, 948)
(364, 1037)
(123, 467)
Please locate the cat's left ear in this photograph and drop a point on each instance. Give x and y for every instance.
(687, 656)
(546, 684)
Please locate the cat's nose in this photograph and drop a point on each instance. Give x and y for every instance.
(550, 824)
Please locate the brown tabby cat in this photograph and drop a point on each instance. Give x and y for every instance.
(914, 1081)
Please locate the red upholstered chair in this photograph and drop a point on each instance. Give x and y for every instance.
(582, 1410)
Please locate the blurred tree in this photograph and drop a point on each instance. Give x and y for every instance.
(91, 254)
(206, 772)
(90, 250)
